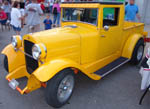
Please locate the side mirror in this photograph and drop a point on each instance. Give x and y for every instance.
(106, 28)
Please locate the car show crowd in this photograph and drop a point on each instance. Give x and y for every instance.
(18, 14)
(28, 13)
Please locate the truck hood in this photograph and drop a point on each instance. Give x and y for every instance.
(63, 33)
(54, 34)
(61, 42)
(64, 42)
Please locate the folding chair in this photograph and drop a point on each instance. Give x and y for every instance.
(140, 103)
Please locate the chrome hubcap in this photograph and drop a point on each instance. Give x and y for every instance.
(65, 88)
(140, 52)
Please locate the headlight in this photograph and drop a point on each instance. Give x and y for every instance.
(16, 41)
(39, 51)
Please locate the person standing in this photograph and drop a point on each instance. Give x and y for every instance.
(51, 2)
(131, 11)
(16, 18)
(56, 13)
(1, 1)
(3, 17)
(22, 11)
(7, 9)
(47, 23)
(33, 12)
(42, 6)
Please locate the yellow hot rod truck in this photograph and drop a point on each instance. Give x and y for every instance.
(93, 39)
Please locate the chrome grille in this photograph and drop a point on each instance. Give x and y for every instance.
(31, 64)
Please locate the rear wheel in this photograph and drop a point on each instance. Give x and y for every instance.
(138, 52)
(59, 89)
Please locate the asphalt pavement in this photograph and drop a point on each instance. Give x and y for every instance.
(119, 90)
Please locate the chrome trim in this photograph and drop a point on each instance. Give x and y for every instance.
(44, 48)
(13, 37)
(36, 45)
(71, 26)
(16, 41)
(25, 53)
(20, 37)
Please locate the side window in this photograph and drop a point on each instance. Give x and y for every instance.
(89, 16)
(111, 16)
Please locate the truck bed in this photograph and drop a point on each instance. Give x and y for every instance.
(130, 25)
(131, 28)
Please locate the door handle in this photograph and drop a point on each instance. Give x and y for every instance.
(102, 35)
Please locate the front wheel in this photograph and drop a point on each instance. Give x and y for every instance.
(6, 63)
(138, 52)
(59, 89)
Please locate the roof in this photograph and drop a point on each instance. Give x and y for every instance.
(108, 3)
(75, 5)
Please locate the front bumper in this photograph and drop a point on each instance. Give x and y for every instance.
(15, 65)
(32, 85)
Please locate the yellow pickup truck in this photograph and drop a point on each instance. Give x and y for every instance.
(89, 41)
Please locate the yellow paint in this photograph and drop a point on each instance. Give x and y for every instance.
(15, 58)
(32, 85)
(145, 34)
(86, 48)
(52, 67)
(130, 45)
(18, 73)
(87, 5)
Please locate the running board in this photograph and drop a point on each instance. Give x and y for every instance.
(112, 66)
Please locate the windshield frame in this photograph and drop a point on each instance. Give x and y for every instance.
(78, 20)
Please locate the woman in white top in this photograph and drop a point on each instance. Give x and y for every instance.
(16, 18)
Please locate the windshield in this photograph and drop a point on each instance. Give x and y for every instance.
(87, 15)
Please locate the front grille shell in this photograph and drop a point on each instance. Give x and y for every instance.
(31, 63)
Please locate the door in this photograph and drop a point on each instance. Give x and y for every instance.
(103, 46)
(110, 31)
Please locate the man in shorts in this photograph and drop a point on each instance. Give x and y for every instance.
(33, 12)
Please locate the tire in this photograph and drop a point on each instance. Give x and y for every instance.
(56, 85)
(138, 52)
(6, 63)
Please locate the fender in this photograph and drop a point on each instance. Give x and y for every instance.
(15, 58)
(130, 45)
(46, 71)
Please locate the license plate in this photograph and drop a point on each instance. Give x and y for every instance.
(13, 84)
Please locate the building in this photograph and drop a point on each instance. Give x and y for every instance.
(144, 7)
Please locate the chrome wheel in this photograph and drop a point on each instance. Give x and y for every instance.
(65, 88)
(140, 52)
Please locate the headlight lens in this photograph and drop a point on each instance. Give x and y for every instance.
(16, 41)
(36, 51)
(39, 51)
